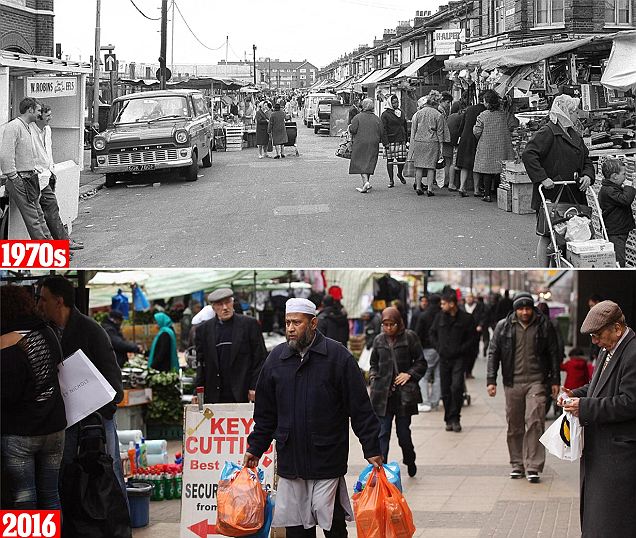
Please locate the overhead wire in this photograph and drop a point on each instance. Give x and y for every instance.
(192, 32)
(143, 14)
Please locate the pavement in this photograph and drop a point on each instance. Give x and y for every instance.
(302, 211)
(461, 489)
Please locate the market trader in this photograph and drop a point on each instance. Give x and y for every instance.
(230, 352)
(121, 346)
(606, 407)
(307, 391)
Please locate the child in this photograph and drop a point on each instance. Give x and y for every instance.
(615, 198)
(577, 373)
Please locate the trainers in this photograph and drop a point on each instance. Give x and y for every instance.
(412, 469)
(457, 427)
(533, 477)
(449, 427)
(516, 473)
(424, 408)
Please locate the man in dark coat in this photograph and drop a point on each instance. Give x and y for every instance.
(121, 346)
(452, 335)
(332, 320)
(607, 411)
(77, 331)
(230, 352)
(430, 385)
(308, 390)
(418, 311)
(525, 345)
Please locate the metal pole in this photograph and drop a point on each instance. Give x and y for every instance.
(227, 44)
(172, 41)
(164, 44)
(254, 50)
(96, 66)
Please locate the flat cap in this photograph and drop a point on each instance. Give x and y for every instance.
(601, 315)
(220, 294)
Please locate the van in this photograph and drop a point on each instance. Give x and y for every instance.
(311, 104)
(322, 114)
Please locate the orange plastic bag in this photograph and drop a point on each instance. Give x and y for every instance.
(240, 504)
(381, 510)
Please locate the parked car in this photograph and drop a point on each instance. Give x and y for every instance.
(311, 102)
(322, 114)
(147, 131)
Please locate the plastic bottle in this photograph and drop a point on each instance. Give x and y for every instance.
(161, 492)
(144, 454)
(137, 455)
(168, 490)
(178, 484)
(131, 458)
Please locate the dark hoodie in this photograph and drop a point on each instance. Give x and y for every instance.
(425, 321)
(333, 322)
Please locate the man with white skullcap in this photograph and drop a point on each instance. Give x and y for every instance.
(308, 390)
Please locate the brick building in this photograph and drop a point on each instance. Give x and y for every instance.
(26, 26)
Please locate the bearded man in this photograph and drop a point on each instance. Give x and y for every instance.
(306, 393)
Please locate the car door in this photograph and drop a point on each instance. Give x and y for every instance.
(203, 124)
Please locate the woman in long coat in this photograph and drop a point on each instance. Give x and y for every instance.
(262, 123)
(397, 364)
(468, 143)
(366, 132)
(278, 131)
(428, 132)
(492, 131)
(557, 152)
(394, 139)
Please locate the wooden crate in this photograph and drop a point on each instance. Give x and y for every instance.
(504, 199)
(521, 198)
(233, 138)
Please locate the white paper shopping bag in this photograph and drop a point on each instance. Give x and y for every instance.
(564, 438)
(84, 388)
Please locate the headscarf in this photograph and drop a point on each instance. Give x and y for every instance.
(563, 108)
(165, 327)
(393, 314)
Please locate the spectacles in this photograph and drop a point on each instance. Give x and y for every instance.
(389, 324)
(601, 331)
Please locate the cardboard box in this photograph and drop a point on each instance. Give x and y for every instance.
(135, 397)
(522, 198)
(504, 199)
(605, 259)
(593, 245)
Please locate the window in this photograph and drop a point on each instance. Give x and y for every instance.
(499, 16)
(199, 105)
(548, 12)
(618, 12)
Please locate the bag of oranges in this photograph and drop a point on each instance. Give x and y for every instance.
(240, 503)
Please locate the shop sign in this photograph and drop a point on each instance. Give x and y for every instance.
(213, 436)
(444, 41)
(45, 87)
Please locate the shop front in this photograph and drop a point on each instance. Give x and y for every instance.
(60, 84)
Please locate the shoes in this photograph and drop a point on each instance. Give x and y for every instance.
(282, 156)
(277, 157)
(75, 245)
(453, 189)
(424, 408)
(477, 195)
(486, 199)
(260, 156)
(414, 186)
(402, 179)
(365, 188)
(533, 477)
(419, 192)
(449, 427)
(463, 194)
(430, 193)
(390, 185)
(457, 427)
(516, 473)
(424, 188)
(412, 469)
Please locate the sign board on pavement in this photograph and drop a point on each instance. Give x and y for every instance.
(445, 41)
(45, 87)
(212, 437)
(110, 62)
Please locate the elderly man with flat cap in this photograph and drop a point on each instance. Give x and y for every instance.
(309, 389)
(606, 407)
(230, 352)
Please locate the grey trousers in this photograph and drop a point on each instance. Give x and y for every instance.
(525, 413)
(51, 210)
(30, 210)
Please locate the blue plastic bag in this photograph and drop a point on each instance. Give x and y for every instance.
(230, 468)
(392, 471)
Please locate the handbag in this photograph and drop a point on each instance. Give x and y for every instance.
(560, 212)
(440, 164)
(409, 168)
(345, 147)
(270, 144)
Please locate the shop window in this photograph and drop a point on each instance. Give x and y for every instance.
(618, 12)
(548, 12)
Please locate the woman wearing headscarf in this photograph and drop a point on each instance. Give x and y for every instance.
(468, 143)
(494, 144)
(366, 133)
(278, 131)
(163, 351)
(428, 132)
(397, 364)
(394, 139)
(557, 153)
(262, 136)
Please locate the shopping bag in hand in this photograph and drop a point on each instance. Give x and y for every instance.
(564, 438)
(399, 518)
(409, 168)
(392, 471)
(240, 503)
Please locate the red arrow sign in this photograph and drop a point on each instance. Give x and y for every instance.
(202, 529)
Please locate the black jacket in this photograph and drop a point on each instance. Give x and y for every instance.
(453, 337)
(333, 323)
(424, 325)
(248, 354)
(394, 128)
(502, 350)
(85, 333)
(616, 205)
(608, 465)
(306, 407)
(121, 346)
(410, 359)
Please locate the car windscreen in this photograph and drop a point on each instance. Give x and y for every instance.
(144, 109)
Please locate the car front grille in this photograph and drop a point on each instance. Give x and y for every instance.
(143, 157)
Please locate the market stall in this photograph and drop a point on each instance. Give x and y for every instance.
(61, 84)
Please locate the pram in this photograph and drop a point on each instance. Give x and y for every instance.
(558, 213)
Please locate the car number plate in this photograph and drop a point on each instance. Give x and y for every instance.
(140, 167)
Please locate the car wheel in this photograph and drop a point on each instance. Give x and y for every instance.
(111, 179)
(207, 160)
(192, 171)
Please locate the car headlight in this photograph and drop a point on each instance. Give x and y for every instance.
(181, 136)
(99, 143)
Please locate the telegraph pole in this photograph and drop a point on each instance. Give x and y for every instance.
(254, 50)
(172, 41)
(164, 44)
(96, 66)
